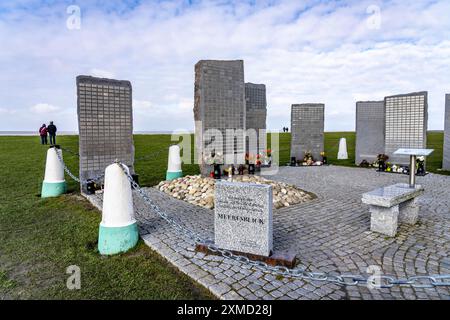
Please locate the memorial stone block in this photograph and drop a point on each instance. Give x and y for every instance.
(219, 105)
(370, 122)
(307, 127)
(105, 125)
(446, 160)
(406, 124)
(243, 217)
(256, 114)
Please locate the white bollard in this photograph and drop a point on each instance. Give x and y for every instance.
(54, 184)
(118, 230)
(342, 154)
(174, 163)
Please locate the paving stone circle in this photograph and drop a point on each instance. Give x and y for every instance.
(329, 234)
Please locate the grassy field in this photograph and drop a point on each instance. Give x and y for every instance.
(40, 238)
(435, 140)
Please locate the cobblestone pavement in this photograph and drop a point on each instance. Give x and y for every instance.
(329, 234)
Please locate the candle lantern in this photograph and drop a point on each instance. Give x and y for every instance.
(293, 162)
(421, 166)
(217, 173)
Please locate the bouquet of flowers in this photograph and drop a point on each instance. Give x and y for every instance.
(382, 162)
(214, 158)
(308, 158)
(265, 157)
(250, 158)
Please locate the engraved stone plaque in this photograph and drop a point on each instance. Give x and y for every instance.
(243, 217)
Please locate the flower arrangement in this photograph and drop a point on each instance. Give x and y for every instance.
(382, 157)
(308, 159)
(250, 158)
(265, 157)
(364, 164)
(420, 165)
(324, 157)
(381, 162)
(214, 158)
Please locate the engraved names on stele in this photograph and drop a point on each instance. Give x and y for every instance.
(243, 218)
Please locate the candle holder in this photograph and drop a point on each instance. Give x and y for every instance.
(217, 173)
(420, 166)
(293, 162)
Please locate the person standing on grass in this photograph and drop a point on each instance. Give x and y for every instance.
(52, 133)
(43, 134)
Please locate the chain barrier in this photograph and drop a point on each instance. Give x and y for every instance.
(70, 151)
(381, 281)
(74, 177)
(100, 176)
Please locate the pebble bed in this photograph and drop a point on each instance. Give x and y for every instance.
(199, 190)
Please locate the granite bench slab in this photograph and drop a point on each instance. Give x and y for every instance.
(389, 204)
(392, 195)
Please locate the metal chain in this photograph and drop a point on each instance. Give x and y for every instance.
(381, 281)
(74, 177)
(70, 151)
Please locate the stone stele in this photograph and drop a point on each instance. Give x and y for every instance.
(243, 217)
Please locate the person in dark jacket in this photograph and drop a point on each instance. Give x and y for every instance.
(43, 134)
(52, 133)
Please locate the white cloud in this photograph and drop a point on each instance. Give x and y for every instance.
(101, 73)
(5, 111)
(304, 51)
(42, 108)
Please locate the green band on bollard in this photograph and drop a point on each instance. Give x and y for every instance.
(174, 175)
(113, 240)
(53, 189)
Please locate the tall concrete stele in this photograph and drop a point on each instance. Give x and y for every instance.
(219, 104)
(370, 136)
(307, 127)
(446, 160)
(256, 114)
(105, 124)
(406, 124)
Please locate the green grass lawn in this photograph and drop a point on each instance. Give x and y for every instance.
(435, 140)
(40, 238)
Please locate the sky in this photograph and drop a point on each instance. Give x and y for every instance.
(332, 52)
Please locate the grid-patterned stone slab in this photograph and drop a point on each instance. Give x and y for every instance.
(256, 114)
(105, 124)
(219, 104)
(406, 124)
(307, 126)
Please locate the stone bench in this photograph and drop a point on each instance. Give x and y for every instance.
(390, 204)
